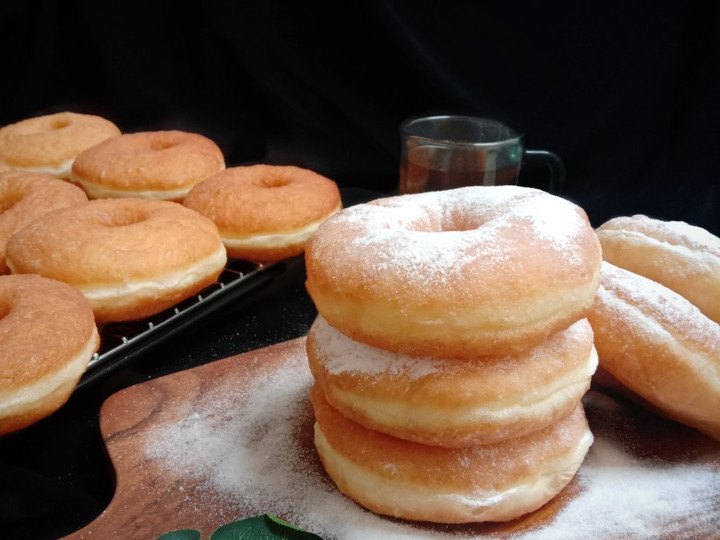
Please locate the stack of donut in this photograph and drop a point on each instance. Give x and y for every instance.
(451, 351)
(656, 317)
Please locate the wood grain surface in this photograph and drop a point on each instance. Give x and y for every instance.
(164, 437)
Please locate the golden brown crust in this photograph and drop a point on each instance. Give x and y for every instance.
(265, 212)
(480, 270)
(50, 141)
(449, 402)
(683, 257)
(156, 164)
(660, 346)
(25, 197)
(131, 257)
(48, 336)
(494, 482)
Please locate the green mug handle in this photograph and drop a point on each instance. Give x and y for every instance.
(554, 165)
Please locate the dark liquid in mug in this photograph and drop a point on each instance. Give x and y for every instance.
(417, 178)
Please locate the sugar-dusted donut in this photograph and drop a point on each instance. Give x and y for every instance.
(48, 337)
(153, 165)
(50, 143)
(26, 196)
(404, 479)
(456, 273)
(448, 402)
(266, 212)
(130, 257)
(683, 257)
(659, 346)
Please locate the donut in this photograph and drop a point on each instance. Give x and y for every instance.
(660, 346)
(48, 337)
(152, 165)
(27, 196)
(408, 480)
(50, 143)
(683, 257)
(132, 258)
(265, 212)
(446, 402)
(456, 273)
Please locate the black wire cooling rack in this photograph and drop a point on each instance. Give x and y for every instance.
(120, 342)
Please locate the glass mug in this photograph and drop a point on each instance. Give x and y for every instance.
(445, 152)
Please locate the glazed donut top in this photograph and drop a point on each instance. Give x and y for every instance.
(462, 248)
(105, 241)
(43, 322)
(27, 196)
(52, 141)
(265, 198)
(147, 162)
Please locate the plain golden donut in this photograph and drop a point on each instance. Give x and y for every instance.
(161, 165)
(659, 346)
(25, 197)
(130, 257)
(50, 143)
(408, 480)
(266, 212)
(456, 273)
(449, 402)
(683, 257)
(48, 337)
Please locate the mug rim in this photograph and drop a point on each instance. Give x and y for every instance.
(515, 135)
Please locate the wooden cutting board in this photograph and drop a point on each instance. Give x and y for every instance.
(231, 439)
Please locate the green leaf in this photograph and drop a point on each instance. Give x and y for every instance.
(181, 534)
(262, 527)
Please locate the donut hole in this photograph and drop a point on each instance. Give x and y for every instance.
(59, 123)
(162, 144)
(451, 222)
(274, 181)
(459, 225)
(122, 219)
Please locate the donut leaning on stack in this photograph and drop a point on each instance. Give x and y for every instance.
(655, 318)
(683, 257)
(451, 351)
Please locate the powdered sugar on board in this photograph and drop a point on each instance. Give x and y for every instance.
(248, 443)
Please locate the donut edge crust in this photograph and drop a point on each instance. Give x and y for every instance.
(675, 368)
(374, 487)
(462, 414)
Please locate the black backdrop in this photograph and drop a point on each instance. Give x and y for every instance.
(626, 92)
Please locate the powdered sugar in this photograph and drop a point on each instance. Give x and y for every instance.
(343, 354)
(678, 234)
(436, 235)
(653, 307)
(242, 441)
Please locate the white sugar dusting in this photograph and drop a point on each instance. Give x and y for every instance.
(342, 355)
(244, 447)
(629, 294)
(437, 234)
